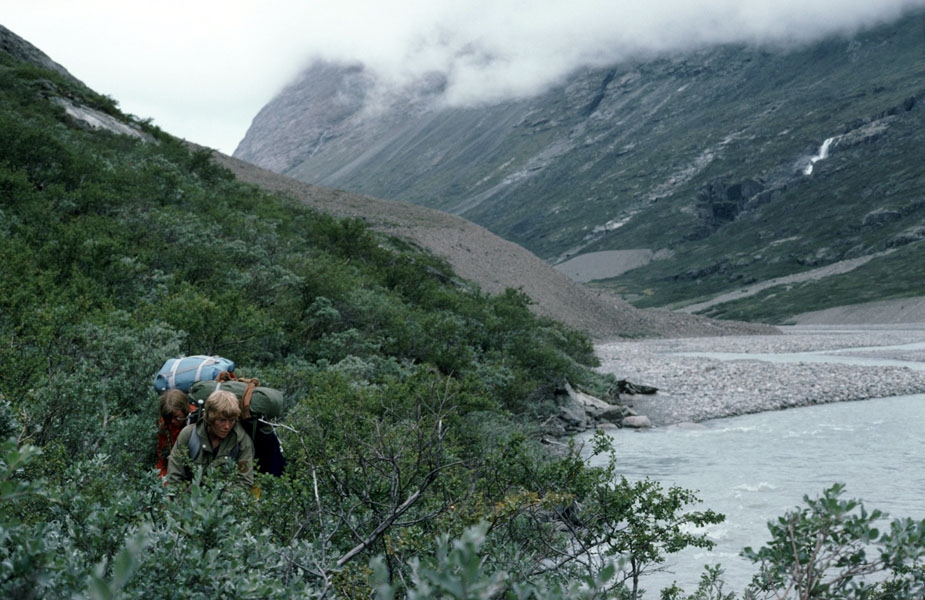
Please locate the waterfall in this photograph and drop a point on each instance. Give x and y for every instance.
(823, 153)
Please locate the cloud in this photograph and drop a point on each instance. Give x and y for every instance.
(490, 50)
(203, 69)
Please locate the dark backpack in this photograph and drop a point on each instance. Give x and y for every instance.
(268, 452)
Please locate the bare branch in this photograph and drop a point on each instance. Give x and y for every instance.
(384, 525)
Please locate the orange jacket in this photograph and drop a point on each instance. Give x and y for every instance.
(167, 433)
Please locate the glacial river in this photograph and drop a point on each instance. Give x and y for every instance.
(754, 468)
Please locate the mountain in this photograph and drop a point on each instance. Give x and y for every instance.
(789, 177)
(474, 253)
(21, 49)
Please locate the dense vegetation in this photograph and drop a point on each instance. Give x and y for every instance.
(414, 467)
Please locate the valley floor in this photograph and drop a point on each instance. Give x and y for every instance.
(713, 377)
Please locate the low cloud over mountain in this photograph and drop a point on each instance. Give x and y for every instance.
(489, 51)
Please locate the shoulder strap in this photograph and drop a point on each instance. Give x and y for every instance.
(236, 451)
(195, 444)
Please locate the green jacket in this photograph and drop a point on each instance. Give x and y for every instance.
(179, 472)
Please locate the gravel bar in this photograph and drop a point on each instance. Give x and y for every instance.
(697, 388)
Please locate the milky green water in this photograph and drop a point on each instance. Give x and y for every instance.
(754, 468)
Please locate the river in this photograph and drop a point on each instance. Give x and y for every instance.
(755, 467)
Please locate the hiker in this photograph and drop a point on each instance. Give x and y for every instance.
(175, 409)
(216, 440)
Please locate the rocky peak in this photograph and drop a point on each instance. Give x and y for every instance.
(19, 48)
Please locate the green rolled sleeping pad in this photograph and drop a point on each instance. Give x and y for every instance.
(266, 403)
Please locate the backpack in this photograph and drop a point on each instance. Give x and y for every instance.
(257, 403)
(181, 373)
(261, 402)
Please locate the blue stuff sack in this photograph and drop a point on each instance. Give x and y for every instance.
(181, 373)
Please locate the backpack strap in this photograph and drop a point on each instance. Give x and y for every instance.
(251, 384)
(246, 398)
(208, 361)
(195, 445)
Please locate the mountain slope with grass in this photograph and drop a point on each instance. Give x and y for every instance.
(723, 167)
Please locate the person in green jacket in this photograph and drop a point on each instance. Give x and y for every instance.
(216, 441)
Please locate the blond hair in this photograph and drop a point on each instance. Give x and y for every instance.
(221, 403)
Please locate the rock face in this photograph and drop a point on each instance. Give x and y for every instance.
(95, 119)
(702, 155)
(719, 202)
(21, 49)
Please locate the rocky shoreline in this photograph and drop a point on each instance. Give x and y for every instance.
(697, 388)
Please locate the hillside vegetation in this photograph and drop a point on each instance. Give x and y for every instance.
(494, 264)
(415, 401)
(697, 158)
(119, 253)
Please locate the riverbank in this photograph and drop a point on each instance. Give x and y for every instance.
(695, 388)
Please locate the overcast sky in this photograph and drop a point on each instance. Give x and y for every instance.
(202, 69)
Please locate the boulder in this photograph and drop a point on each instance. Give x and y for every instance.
(573, 416)
(579, 411)
(586, 400)
(612, 414)
(637, 422)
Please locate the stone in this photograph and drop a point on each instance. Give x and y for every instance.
(586, 400)
(573, 415)
(637, 422)
(613, 414)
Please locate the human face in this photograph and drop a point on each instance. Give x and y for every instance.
(178, 416)
(222, 426)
